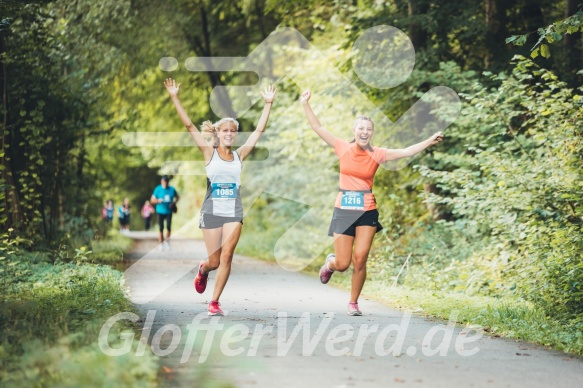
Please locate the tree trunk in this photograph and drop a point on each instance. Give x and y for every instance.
(11, 205)
(417, 34)
(203, 49)
(570, 40)
(496, 31)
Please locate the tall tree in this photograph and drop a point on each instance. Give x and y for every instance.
(10, 203)
(496, 32)
(573, 41)
(417, 33)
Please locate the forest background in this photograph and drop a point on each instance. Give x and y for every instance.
(489, 221)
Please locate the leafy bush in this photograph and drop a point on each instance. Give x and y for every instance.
(110, 250)
(50, 317)
(519, 189)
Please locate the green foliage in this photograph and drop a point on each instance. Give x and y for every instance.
(40, 297)
(269, 218)
(66, 364)
(502, 196)
(551, 34)
(50, 316)
(52, 111)
(110, 250)
(505, 317)
(519, 189)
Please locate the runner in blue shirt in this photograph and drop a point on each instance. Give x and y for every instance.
(164, 196)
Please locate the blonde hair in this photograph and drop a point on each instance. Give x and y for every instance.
(227, 120)
(209, 133)
(209, 128)
(365, 118)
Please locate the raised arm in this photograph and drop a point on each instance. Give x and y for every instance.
(268, 97)
(314, 122)
(204, 146)
(394, 154)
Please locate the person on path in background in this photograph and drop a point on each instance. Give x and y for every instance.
(164, 196)
(107, 212)
(147, 211)
(124, 216)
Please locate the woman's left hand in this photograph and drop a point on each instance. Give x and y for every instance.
(436, 138)
(269, 94)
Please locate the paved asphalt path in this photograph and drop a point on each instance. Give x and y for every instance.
(286, 329)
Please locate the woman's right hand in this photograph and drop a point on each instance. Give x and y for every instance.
(171, 87)
(305, 97)
(436, 138)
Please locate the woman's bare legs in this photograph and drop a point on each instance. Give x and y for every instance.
(362, 244)
(221, 244)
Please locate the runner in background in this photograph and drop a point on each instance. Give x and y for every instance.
(147, 211)
(124, 216)
(221, 216)
(356, 219)
(107, 212)
(164, 196)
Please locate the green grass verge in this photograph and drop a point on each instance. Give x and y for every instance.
(50, 318)
(111, 249)
(506, 317)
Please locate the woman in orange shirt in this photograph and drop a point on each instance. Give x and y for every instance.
(356, 219)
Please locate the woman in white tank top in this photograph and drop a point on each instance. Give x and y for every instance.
(221, 215)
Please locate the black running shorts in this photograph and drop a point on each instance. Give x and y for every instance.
(345, 221)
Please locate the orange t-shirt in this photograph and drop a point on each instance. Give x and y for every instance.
(357, 169)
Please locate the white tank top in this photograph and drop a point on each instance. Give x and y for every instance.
(223, 197)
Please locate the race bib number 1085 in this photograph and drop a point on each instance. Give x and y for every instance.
(224, 191)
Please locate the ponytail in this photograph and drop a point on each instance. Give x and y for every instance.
(207, 128)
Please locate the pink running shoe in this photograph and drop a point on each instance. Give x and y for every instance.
(200, 279)
(325, 272)
(353, 309)
(214, 308)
